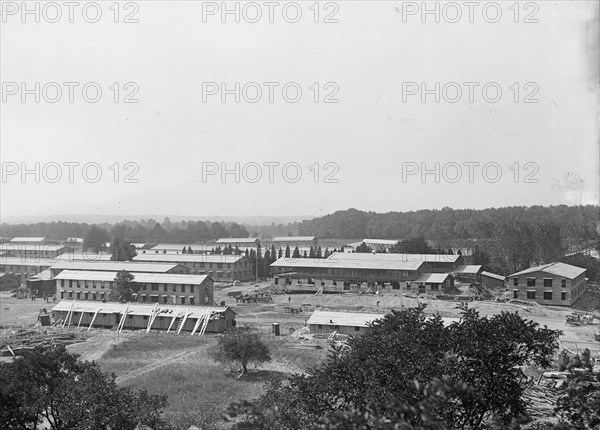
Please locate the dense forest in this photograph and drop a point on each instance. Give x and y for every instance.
(576, 222)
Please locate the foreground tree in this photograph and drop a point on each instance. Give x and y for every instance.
(243, 346)
(124, 287)
(579, 406)
(51, 386)
(478, 359)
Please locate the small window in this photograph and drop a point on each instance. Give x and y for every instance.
(191, 288)
(516, 282)
(356, 328)
(191, 300)
(531, 282)
(145, 317)
(319, 326)
(563, 295)
(563, 283)
(515, 294)
(531, 295)
(548, 282)
(435, 287)
(547, 295)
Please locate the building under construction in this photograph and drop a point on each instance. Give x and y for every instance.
(141, 316)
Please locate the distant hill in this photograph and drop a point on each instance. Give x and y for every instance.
(575, 222)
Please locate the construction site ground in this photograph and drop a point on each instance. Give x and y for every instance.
(200, 387)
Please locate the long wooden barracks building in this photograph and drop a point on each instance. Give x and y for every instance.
(368, 272)
(194, 319)
(163, 288)
(221, 268)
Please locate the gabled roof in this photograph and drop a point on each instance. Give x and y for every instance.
(237, 240)
(188, 258)
(178, 247)
(558, 269)
(133, 308)
(470, 269)
(29, 261)
(27, 239)
(347, 264)
(30, 246)
(45, 275)
(353, 244)
(493, 275)
(68, 256)
(113, 266)
(381, 241)
(294, 239)
(432, 278)
(348, 319)
(161, 278)
(368, 256)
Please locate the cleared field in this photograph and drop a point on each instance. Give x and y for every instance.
(20, 311)
(199, 388)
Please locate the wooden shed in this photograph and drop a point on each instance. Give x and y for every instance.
(83, 313)
(350, 323)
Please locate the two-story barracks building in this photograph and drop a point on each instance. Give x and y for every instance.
(549, 284)
(166, 288)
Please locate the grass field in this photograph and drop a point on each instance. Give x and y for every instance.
(198, 387)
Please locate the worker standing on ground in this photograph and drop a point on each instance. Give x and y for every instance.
(290, 299)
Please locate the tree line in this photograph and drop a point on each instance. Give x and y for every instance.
(151, 231)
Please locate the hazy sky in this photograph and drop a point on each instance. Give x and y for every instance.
(377, 138)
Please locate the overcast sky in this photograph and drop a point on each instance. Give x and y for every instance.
(375, 142)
